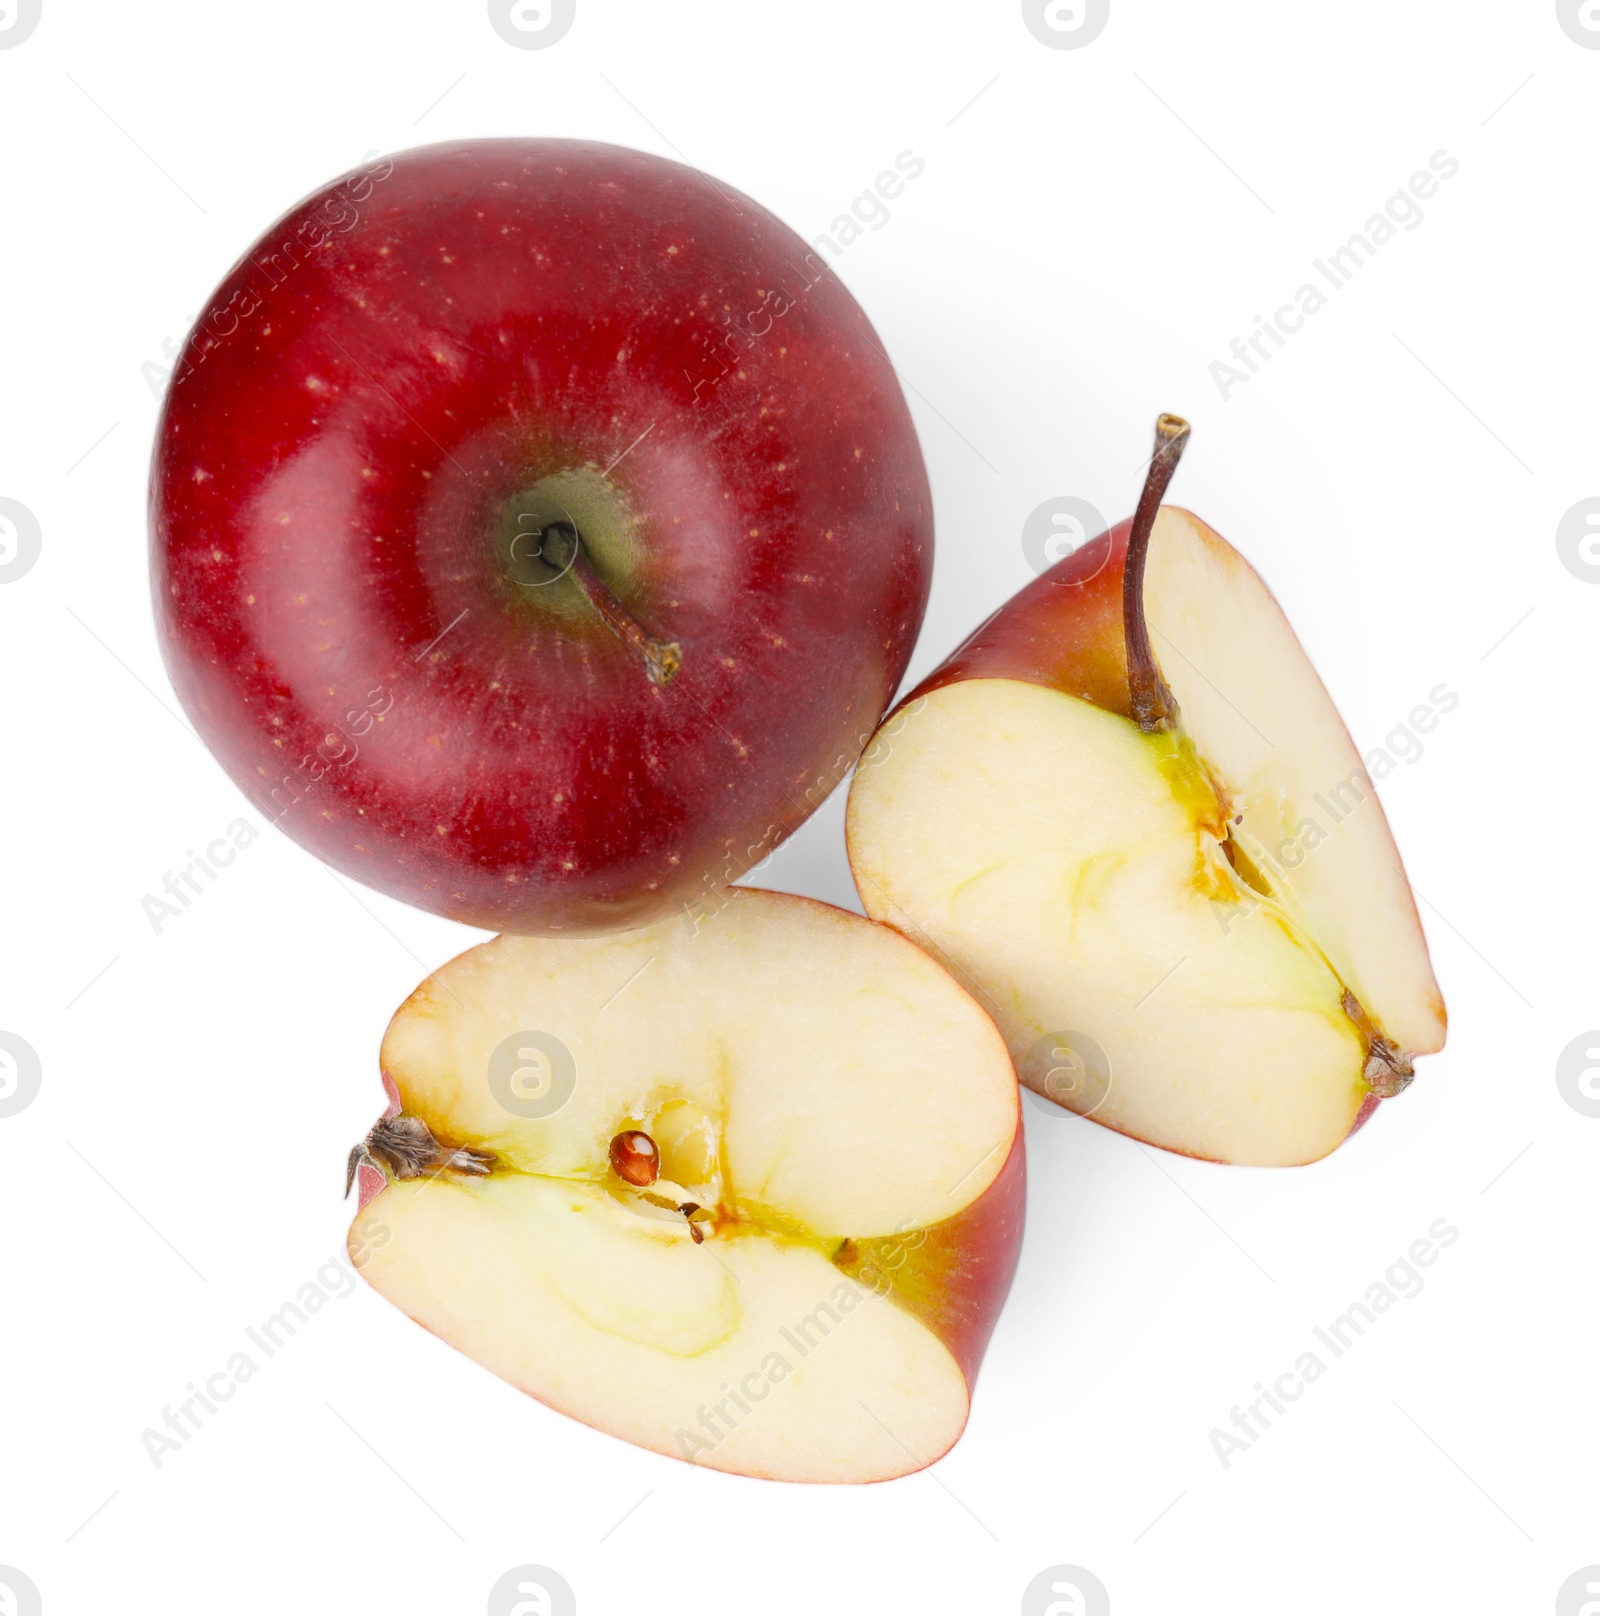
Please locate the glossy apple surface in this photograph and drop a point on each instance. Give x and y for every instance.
(386, 405)
(745, 1187)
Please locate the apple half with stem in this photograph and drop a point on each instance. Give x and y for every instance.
(1127, 816)
(745, 1187)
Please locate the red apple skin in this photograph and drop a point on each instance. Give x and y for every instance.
(369, 391)
(1062, 631)
(954, 1276)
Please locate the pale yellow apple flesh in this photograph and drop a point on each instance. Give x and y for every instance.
(815, 1086)
(1220, 908)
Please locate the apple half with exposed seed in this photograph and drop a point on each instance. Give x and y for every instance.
(744, 1187)
(1127, 816)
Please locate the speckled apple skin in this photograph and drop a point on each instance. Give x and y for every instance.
(400, 356)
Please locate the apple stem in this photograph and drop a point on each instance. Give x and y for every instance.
(562, 546)
(1154, 709)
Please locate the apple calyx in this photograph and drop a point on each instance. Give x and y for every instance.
(1151, 702)
(404, 1147)
(1388, 1071)
(562, 546)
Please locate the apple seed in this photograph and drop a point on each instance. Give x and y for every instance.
(635, 1158)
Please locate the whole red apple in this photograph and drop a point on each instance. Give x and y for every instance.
(538, 531)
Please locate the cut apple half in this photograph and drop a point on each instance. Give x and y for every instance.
(1127, 815)
(744, 1187)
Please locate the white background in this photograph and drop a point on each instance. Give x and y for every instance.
(1090, 233)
